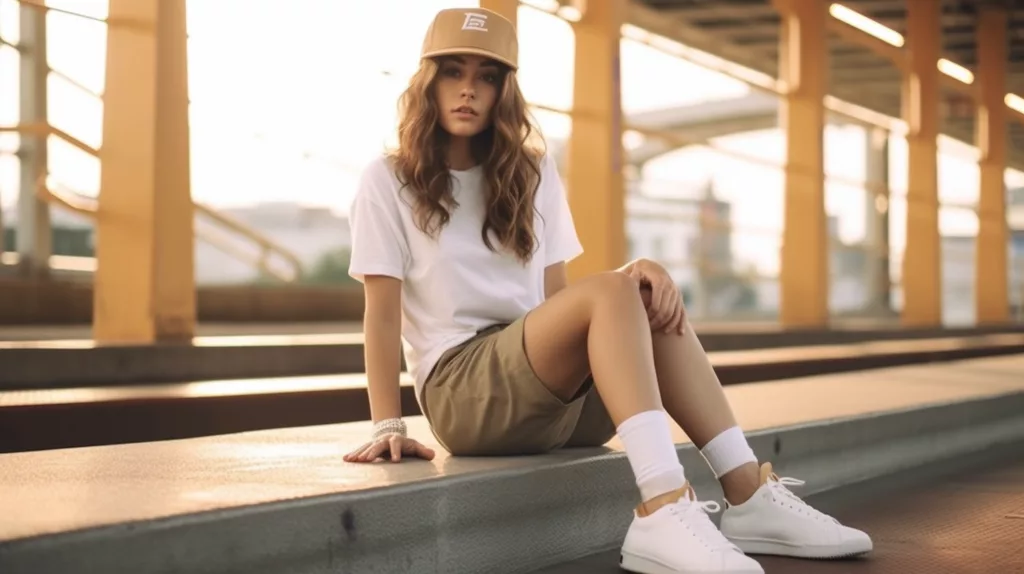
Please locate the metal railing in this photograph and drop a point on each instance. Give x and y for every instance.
(89, 207)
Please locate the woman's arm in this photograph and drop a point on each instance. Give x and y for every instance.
(382, 348)
(382, 328)
(555, 279)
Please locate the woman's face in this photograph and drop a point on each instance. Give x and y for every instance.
(466, 90)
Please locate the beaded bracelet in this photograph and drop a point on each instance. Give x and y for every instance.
(389, 426)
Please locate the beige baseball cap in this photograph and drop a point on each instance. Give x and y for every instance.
(472, 31)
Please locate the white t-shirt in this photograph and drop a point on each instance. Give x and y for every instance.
(453, 286)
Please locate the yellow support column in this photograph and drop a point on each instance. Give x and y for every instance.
(595, 154)
(144, 286)
(921, 276)
(804, 277)
(507, 8)
(991, 290)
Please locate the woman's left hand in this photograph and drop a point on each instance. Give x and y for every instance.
(666, 311)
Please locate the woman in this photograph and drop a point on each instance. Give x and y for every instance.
(460, 237)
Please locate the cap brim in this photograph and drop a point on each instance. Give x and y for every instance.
(473, 51)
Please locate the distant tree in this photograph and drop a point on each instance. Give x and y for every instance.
(331, 268)
(74, 241)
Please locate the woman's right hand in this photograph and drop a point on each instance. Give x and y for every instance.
(395, 444)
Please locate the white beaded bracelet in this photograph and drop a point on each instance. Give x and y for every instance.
(389, 426)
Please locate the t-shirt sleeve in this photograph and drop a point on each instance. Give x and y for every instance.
(560, 240)
(379, 246)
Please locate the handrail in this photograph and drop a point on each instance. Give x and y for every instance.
(267, 246)
(89, 207)
(80, 204)
(45, 130)
(131, 23)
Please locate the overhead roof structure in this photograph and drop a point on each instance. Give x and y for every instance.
(694, 123)
(747, 32)
(703, 121)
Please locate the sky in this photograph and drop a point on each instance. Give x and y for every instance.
(291, 99)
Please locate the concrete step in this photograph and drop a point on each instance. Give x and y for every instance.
(42, 301)
(111, 414)
(53, 363)
(283, 501)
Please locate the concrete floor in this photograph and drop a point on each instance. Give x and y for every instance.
(963, 517)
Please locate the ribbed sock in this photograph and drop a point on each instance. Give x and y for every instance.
(728, 451)
(647, 438)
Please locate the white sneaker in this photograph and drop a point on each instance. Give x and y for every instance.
(679, 538)
(776, 521)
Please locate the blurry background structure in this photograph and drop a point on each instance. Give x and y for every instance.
(880, 178)
(837, 189)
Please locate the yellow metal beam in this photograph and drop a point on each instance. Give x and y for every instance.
(991, 289)
(804, 277)
(144, 285)
(921, 276)
(595, 154)
(858, 37)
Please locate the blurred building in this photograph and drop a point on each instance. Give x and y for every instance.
(308, 232)
(690, 233)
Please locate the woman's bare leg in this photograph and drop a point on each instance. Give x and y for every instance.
(599, 326)
(693, 396)
(596, 326)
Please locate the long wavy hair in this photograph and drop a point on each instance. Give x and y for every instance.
(508, 150)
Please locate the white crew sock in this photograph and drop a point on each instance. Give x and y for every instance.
(728, 451)
(647, 438)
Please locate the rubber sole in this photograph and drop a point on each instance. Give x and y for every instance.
(768, 548)
(640, 565)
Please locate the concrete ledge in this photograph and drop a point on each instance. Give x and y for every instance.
(62, 364)
(514, 515)
(53, 302)
(91, 416)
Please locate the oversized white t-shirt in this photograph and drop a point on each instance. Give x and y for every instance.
(453, 286)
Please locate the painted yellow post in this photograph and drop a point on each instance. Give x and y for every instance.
(804, 276)
(595, 154)
(145, 286)
(991, 289)
(921, 275)
(507, 8)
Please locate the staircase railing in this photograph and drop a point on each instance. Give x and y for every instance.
(89, 207)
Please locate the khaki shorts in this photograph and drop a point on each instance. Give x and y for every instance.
(483, 398)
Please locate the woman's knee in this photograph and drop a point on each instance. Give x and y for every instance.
(616, 287)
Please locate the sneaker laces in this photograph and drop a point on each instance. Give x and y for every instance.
(778, 486)
(694, 514)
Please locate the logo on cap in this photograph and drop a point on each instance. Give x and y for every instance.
(476, 22)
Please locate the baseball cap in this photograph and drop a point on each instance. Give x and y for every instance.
(472, 31)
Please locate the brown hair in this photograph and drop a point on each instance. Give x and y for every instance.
(511, 166)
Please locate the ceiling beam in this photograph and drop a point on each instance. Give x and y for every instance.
(748, 36)
(719, 11)
(680, 30)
